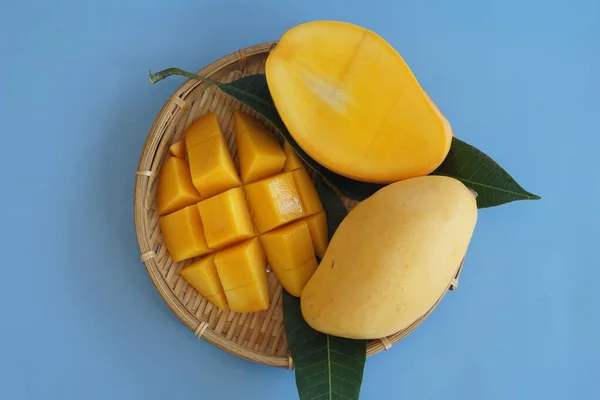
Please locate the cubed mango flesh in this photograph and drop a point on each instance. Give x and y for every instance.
(204, 127)
(183, 234)
(226, 218)
(202, 275)
(177, 149)
(259, 152)
(241, 264)
(317, 224)
(292, 160)
(291, 255)
(212, 167)
(175, 189)
(311, 203)
(250, 298)
(274, 201)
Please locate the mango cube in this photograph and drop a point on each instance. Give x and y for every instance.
(241, 265)
(226, 218)
(259, 151)
(174, 188)
(211, 166)
(291, 255)
(204, 127)
(202, 276)
(317, 224)
(249, 298)
(274, 201)
(292, 160)
(294, 280)
(308, 194)
(183, 234)
(177, 149)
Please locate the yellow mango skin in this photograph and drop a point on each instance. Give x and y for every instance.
(226, 218)
(317, 225)
(183, 234)
(259, 152)
(202, 276)
(352, 103)
(292, 160)
(177, 149)
(175, 189)
(391, 258)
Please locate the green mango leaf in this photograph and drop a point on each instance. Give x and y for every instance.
(253, 91)
(326, 367)
(464, 162)
(493, 185)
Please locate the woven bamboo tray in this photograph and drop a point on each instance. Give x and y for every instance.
(258, 337)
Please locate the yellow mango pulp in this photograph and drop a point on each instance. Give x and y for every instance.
(175, 189)
(210, 214)
(202, 276)
(292, 160)
(183, 234)
(251, 298)
(259, 152)
(212, 167)
(352, 103)
(317, 225)
(291, 255)
(311, 203)
(226, 218)
(177, 149)
(203, 128)
(241, 269)
(274, 201)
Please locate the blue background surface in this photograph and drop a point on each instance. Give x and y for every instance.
(80, 317)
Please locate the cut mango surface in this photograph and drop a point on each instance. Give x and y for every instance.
(177, 149)
(274, 201)
(202, 276)
(211, 167)
(259, 152)
(226, 218)
(229, 226)
(183, 234)
(292, 160)
(317, 224)
(291, 255)
(351, 102)
(175, 189)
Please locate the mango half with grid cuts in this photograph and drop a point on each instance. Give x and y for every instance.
(230, 223)
(345, 95)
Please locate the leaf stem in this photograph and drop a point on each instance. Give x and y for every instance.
(165, 73)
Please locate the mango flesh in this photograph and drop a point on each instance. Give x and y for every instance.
(391, 258)
(202, 275)
(183, 234)
(226, 218)
(259, 152)
(292, 161)
(274, 201)
(291, 255)
(177, 149)
(175, 190)
(220, 229)
(346, 95)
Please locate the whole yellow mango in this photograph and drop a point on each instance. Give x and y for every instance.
(391, 258)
